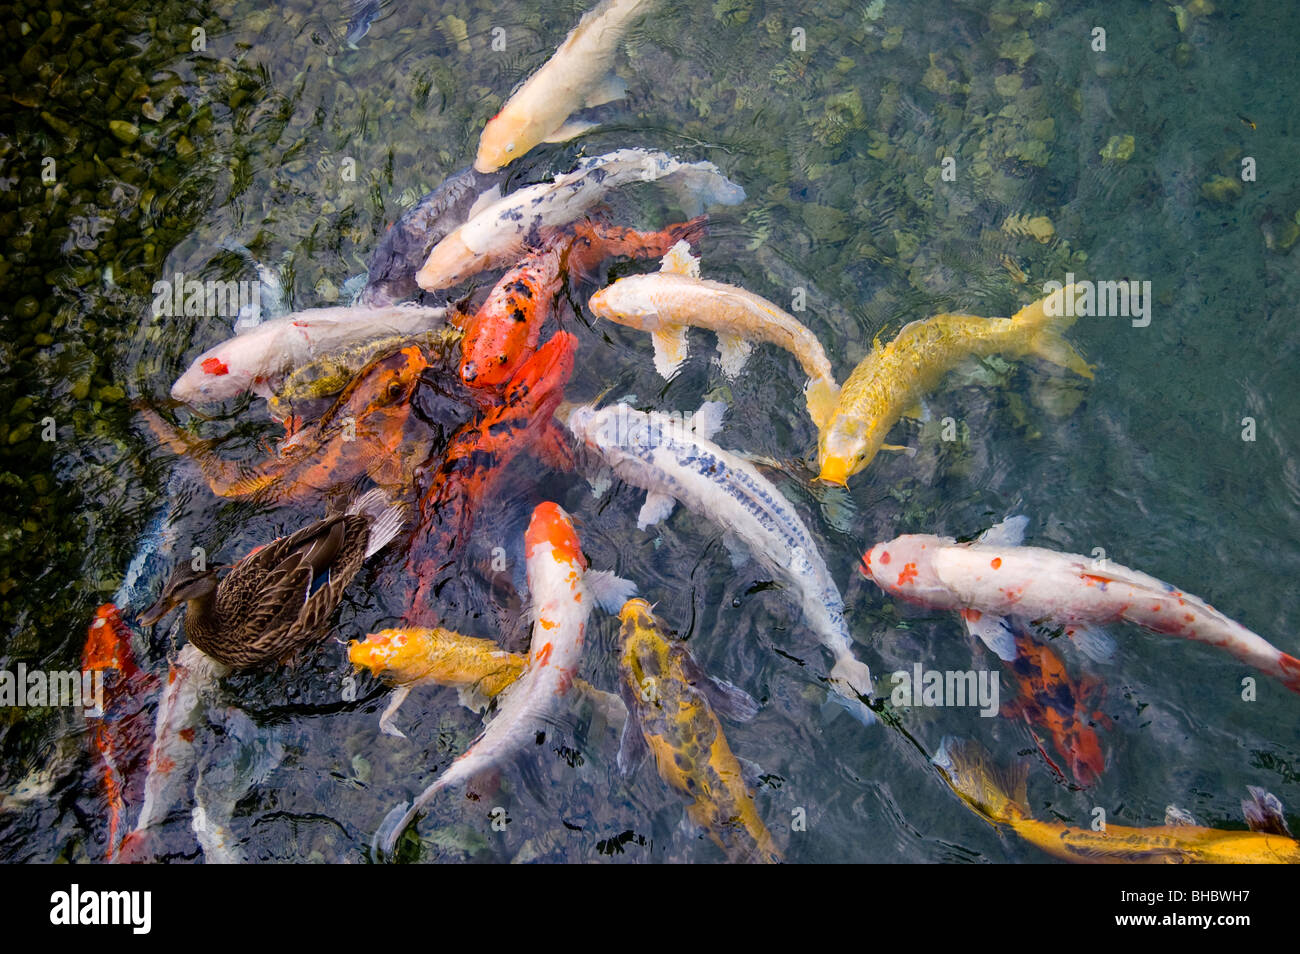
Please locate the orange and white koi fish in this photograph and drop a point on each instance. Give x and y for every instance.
(579, 75)
(478, 669)
(998, 796)
(500, 233)
(191, 677)
(563, 590)
(259, 359)
(667, 302)
(121, 733)
(993, 577)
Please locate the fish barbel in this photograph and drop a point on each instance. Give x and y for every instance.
(999, 797)
(890, 381)
(671, 704)
(667, 302)
(674, 460)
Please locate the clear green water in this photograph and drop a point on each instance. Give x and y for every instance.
(838, 148)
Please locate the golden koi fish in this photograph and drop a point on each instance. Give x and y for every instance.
(999, 797)
(578, 75)
(891, 381)
(671, 704)
(478, 668)
(666, 302)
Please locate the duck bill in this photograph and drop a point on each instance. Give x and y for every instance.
(156, 612)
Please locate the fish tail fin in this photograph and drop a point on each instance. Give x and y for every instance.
(822, 396)
(1043, 324)
(996, 793)
(851, 679)
(1290, 671)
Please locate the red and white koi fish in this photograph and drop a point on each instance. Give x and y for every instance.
(120, 734)
(261, 357)
(562, 589)
(190, 678)
(993, 577)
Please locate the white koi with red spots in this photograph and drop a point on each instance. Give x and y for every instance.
(563, 591)
(261, 357)
(986, 581)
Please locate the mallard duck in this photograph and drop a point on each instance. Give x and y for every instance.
(279, 597)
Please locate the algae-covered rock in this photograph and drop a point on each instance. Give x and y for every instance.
(1017, 48)
(1221, 189)
(123, 131)
(1118, 149)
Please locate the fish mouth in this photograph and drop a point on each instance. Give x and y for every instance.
(835, 472)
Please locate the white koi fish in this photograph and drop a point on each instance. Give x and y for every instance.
(676, 462)
(667, 302)
(500, 232)
(191, 676)
(577, 76)
(562, 591)
(259, 359)
(991, 578)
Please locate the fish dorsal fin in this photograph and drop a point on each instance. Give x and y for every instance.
(1176, 817)
(1009, 533)
(1264, 812)
(570, 130)
(707, 421)
(681, 261)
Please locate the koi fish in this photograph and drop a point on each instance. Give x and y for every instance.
(407, 243)
(369, 430)
(999, 797)
(190, 680)
(674, 704)
(578, 75)
(667, 302)
(563, 590)
(504, 332)
(891, 381)
(500, 232)
(994, 577)
(476, 457)
(258, 359)
(673, 462)
(1051, 699)
(478, 669)
(120, 735)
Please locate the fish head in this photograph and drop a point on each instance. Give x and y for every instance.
(845, 446)
(497, 343)
(383, 653)
(904, 566)
(450, 263)
(643, 661)
(623, 302)
(551, 529)
(215, 375)
(386, 382)
(505, 138)
(108, 643)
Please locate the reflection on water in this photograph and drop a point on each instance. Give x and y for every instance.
(282, 138)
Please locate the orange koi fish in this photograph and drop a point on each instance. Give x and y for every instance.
(504, 332)
(121, 735)
(369, 431)
(478, 454)
(1051, 699)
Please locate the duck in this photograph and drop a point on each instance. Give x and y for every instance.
(279, 597)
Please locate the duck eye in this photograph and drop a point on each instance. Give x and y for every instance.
(394, 391)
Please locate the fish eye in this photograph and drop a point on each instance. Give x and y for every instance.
(501, 359)
(510, 147)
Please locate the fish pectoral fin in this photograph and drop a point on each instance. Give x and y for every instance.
(486, 197)
(1176, 817)
(671, 348)
(726, 699)
(632, 746)
(917, 411)
(473, 698)
(707, 421)
(751, 773)
(733, 352)
(1264, 813)
(609, 590)
(608, 705)
(570, 130)
(656, 507)
(608, 90)
(1093, 641)
(386, 718)
(995, 632)
(909, 451)
(1009, 533)
(736, 550)
(822, 397)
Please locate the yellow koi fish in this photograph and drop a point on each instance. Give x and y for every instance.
(999, 797)
(666, 302)
(578, 75)
(671, 705)
(891, 381)
(478, 668)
